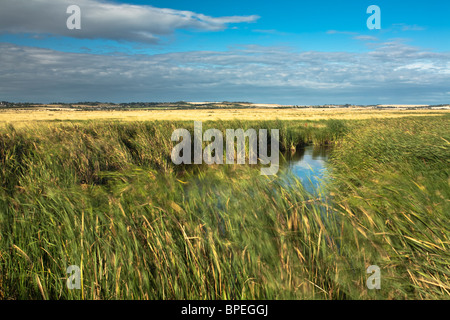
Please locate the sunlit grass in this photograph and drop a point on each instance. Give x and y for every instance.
(25, 117)
(391, 183)
(105, 196)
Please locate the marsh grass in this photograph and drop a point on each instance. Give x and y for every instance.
(106, 197)
(391, 184)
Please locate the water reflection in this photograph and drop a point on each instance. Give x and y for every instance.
(307, 164)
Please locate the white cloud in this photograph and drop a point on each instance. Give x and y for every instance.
(391, 71)
(341, 32)
(406, 27)
(107, 20)
(365, 38)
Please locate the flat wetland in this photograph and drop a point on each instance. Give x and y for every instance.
(98, 189)
(54, 114)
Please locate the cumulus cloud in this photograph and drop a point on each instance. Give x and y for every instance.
(106, 20)
(390, 72)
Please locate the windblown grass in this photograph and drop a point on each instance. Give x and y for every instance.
(106, 197)
(391, 186)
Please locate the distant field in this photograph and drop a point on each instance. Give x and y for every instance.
(25, 116)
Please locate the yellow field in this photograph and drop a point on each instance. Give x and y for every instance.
(18, 117)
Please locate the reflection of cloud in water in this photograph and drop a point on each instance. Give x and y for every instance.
(308, 165)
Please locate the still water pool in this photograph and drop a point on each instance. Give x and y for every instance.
(308, 164)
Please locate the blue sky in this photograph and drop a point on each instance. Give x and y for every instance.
(287, 52)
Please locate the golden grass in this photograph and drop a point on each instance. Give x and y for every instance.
(25, 116)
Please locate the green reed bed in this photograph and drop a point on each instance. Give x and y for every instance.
(391, 187)
(105, 196)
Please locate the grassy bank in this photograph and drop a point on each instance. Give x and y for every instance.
(391, 186)
(106, 197)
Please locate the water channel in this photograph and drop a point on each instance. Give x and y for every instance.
(308, 164)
